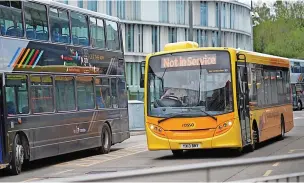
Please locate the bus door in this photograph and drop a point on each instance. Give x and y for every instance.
(243, 102)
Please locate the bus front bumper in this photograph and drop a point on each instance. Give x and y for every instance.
(230, 139)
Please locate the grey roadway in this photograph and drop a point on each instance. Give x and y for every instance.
(133, 154)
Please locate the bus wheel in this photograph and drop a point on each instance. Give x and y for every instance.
(299, 106)
(282, 135)
(255, 139)
(177, 153)
(15, 165)
(106, 139)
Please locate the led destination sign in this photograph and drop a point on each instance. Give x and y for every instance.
(187, 61)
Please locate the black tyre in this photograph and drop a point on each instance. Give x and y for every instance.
(17, 160)
(106, 139)
(299, 108)
(178, 153)
(255, 140)
(282, 135)
(238, 151)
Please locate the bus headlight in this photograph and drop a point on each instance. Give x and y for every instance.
(223, 127)
(157, 130)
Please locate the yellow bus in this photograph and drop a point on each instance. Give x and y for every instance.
(204, 98)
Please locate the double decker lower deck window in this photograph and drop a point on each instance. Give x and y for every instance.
(42, 94)
(103, 95)
(85, 93)
(65, 93)
(16, 94)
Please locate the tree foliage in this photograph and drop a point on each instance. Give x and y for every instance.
(281, 29)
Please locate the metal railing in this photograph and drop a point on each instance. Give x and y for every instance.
(207, 166)
(277, 178)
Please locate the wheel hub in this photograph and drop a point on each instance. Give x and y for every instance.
(106, 140)
(19, 154)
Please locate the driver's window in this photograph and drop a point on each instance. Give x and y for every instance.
(152, 89)
(158, 88)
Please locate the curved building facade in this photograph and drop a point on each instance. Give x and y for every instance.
(149, 25)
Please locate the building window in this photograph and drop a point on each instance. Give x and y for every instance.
(164, 11)
(217, 15)
(120, 8)
(137, 9)
(65, 1)
(201, 38)
(172, 35)
(233, 19)
(140, 37)
(92, 5)
(80, 3)
(130, 37)
(214, 38)
(230, 10)
(224, 15)
(109, 7)
(204, 13)
(155, 40)
(186, 34)
(180, 11)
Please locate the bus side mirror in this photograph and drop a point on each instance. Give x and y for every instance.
(241, 57)
(142, 75)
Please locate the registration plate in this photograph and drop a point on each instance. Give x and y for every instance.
(190, 146)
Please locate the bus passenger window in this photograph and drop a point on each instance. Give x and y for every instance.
(36, 21)
(16, 94)
(11, 18)
(80, 30)
(85, 93)
(103, 96)
(42, 94)
(97, 33)
(123, 97)
(65, 93)
(114, 93)
(59, 22)
(112, 36)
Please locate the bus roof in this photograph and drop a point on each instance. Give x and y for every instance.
(74, 8)
(296, 60)
(254, 57)
(261, 54)
(187, 45)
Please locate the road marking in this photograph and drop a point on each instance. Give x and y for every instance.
(31, 179)
(267, 173)
(293, 150)
(276, 164)
(290, 151)
(89, 161)
(63, 172)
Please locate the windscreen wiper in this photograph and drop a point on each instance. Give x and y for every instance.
(174, 116)
(213, 117)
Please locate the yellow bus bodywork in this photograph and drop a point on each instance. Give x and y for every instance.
(169, 135)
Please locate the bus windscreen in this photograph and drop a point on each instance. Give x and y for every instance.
(190, 83)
